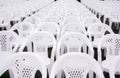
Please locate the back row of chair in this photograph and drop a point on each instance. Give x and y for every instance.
(107, 11)
(19, 10)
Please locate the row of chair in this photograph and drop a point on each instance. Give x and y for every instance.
(39, 42)
(19, 10)
(66, 30)
(105, 11)
(25, 65)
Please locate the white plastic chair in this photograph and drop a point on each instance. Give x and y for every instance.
(71, 12)
(25, 65)
(58, 11)
(5, 17)
(40, 15)
(34, 20)
(111, 44)
(76, 65)
(114, 69)
(90, 20)
(83, 11)
(96, 31)
(8, 41)
(4, 24)
(70, 19)
(85, 14)
(50, 27)
(73, 27)
(23, 29)
(74, 42)
(39, 42)
(56, 19)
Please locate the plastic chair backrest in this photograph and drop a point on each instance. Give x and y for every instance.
(34, 20)
(90, 20)
(25, 65)
(76, 65)
(73, 27)
(112, 43)
(73, 42)
(8, 41)
(56, 19)
(98, 30)
(70, 19)
(23, 29)
(50, 27)
(39, 42)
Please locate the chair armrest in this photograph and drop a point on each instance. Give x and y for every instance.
(16, 48)
(22, 47)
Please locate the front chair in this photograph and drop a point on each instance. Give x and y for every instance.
(76, 65)
(25, 65)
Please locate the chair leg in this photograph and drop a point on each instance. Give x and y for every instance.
(90, 74)
(119, 28)
(11, 74)
(59, 75)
